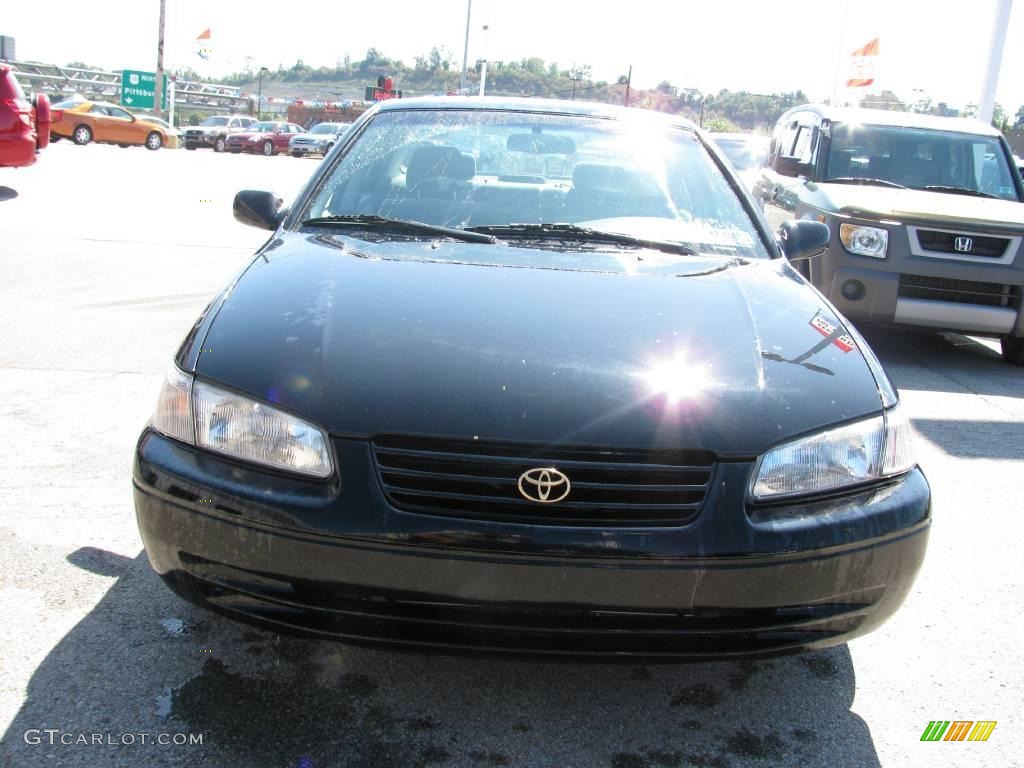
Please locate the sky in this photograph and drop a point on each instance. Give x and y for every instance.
(937, 48)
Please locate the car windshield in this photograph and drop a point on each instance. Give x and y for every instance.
(490, 168)
(325, 128)
(921, 158)
(214, 121)
(744, 153)
(264, 127)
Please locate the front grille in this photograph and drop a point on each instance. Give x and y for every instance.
(945, 242)
(479, 480)
(960, 291)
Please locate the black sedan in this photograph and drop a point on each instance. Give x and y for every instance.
(531, 377)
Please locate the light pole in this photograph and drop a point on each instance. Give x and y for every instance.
(465, 49)
(259, 96)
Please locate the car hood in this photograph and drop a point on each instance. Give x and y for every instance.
(206, 128)
(429, 338)
(922, 206)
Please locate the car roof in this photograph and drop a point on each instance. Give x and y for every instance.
(543, 106)
(896, 119)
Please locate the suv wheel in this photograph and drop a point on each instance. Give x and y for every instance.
(218, 146)
(1013, 349)
(189, 145)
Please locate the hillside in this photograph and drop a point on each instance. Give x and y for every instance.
(438, 72)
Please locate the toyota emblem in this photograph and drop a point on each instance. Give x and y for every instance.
(545, 485)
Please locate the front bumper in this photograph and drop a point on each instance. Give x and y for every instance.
(334, 560)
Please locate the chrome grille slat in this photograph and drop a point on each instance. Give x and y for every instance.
(479, 480)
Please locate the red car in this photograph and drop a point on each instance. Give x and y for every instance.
(267, 138)
(24, 124)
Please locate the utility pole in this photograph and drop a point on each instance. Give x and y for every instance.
(465, 49)
(987, 103)
(158, 86)
(629, 81)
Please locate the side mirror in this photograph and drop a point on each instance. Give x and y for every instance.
(791, 166)
(803, 239)
(259, 209)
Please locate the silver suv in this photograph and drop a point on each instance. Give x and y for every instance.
(213, 131)
(925, 214)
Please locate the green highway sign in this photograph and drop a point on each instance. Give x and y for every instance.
(138, 89)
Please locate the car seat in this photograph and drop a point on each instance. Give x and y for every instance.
(437, 180)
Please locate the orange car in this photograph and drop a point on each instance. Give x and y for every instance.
(106, 123)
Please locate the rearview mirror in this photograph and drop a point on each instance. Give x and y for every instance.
(259, 209)
(540, 144)
(803, 239)
(791, 166)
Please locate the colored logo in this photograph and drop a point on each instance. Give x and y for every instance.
(545, 485)
(958, 730)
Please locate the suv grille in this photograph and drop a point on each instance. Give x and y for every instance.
(472, 479)
(961, 291)
(945, 242)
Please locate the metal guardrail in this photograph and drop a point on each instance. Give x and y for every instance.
(100, 84)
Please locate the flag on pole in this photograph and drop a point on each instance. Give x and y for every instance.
(203, 45)
(863, 65)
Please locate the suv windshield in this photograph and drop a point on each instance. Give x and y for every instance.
(921, 158)
(480, 168)
(214, 121)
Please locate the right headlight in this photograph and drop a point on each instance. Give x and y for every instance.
(209, 417)
(853, 454)
(864, 241)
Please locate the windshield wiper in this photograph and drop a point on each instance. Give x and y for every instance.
(864, 180)
(576, 233)
(372, 221)
(960, 191)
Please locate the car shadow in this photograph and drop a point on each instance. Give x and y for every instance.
(145, 662)
(942, 362)
(6, 193)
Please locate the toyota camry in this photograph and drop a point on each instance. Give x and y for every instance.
(531, 377)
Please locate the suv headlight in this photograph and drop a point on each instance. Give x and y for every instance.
(853, 454)
(212, 418)
(864, 241)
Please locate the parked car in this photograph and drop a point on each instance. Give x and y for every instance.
(320, 139)
(213, 131)
(24, 122)
(591, 412)
(267, 138)
(747, 152)
(173, 138)
(106, 123)
(926, 217)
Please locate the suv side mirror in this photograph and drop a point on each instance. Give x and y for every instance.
(803, 239)
(259, 209)
(791, 166)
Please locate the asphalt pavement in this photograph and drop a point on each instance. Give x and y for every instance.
(106, 257)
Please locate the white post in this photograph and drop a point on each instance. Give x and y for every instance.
(987, 102)
(170, 101)
(483, 66)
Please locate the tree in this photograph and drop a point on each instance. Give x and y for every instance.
(720, 125)
(885, 100)
(666, 87)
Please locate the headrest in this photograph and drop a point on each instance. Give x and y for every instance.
(437, 163)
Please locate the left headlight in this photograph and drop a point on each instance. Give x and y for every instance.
(853, 454)
(209, 417)
(864, 241)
